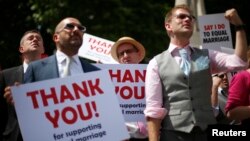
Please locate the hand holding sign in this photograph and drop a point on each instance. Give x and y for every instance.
(71, 108)
(215, 32)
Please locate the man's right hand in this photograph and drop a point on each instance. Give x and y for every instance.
(8, 95)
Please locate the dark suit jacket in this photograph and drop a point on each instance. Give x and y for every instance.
(47, 69)
(222, 118)
(37, 71)
(10, 130)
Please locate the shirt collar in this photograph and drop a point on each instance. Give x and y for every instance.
(221, 91)
(25, 66)
(62, 56)
(173, 48)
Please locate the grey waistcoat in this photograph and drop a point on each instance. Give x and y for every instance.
(187, 99)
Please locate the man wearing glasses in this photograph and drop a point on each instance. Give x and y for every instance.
(68, 38)
(178, 87)
(219, 96)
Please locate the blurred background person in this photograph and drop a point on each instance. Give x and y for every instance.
(219, 97)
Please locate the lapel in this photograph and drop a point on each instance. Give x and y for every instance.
(83, 64)
(12, 75)
(19, 73)
(49, 67)
(87, 67)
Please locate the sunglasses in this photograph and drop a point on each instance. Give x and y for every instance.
(220, 75)
(71, 26)
(184, 16)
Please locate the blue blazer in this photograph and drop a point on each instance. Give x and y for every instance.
(47, 69)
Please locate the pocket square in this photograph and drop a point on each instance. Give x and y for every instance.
(202, 63)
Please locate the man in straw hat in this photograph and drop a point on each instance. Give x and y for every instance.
(128, 51)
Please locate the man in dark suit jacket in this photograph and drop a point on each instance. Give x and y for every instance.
(68, 38)
(31, 48)
(47, 69)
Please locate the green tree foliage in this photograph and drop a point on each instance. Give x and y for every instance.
(109, 19)
(13, 24)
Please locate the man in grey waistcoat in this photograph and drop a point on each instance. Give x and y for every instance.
(178, 89)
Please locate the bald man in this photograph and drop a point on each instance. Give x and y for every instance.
(68, 38)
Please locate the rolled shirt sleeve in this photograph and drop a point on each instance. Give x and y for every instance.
(222, 62)
(153, 88)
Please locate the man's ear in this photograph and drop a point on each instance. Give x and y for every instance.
(21, 49)
(55, 37)
(167, 26)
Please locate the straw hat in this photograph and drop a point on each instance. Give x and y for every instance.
(122, 40)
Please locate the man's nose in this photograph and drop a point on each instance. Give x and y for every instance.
(36, 39)
(125, 54)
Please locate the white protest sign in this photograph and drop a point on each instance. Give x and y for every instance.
(215, 31)
(79, 108)
(227, 50)
(96, 49)
(129, 81)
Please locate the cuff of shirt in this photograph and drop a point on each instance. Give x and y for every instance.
(136, 130)
(158, 113)
(216, 110)
(143, 128)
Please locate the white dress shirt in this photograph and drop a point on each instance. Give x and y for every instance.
(25, 66)
(75, 66)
